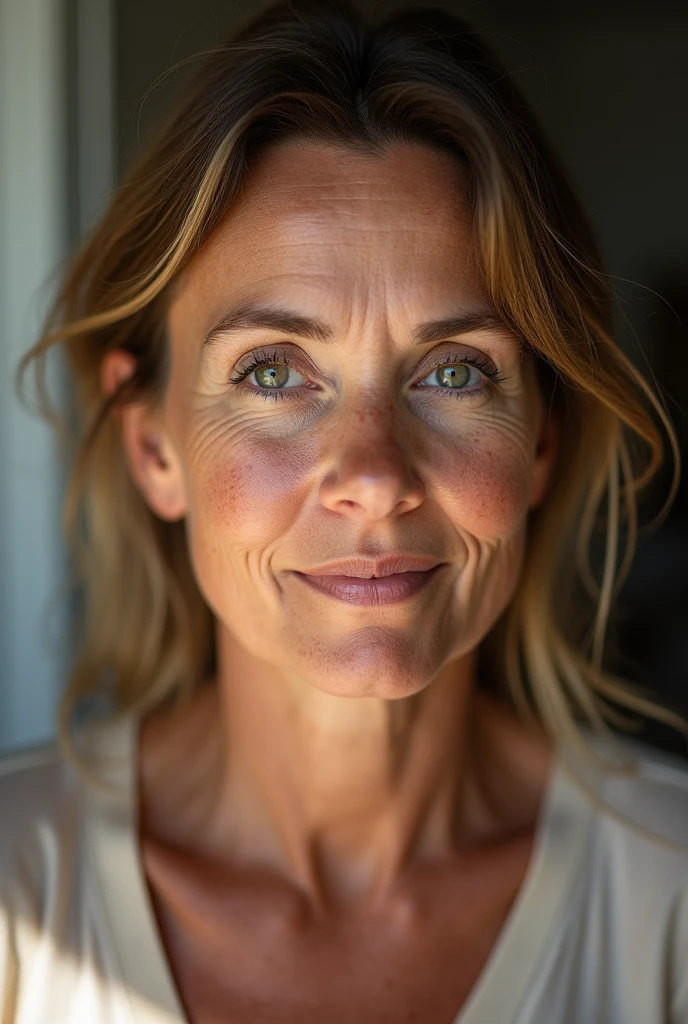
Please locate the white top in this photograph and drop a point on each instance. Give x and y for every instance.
(598, 933)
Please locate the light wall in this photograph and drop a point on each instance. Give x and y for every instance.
(56, 163)
(33, 232)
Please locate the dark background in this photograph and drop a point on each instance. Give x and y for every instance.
(609, 82)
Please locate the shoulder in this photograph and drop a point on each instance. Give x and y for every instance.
(630, 911)
(650, 868)
(51, 908)
(639, 849)
(640, 861)
(653, 796)
(37, 801)
(32, 782)
(45, 800)
(641, 806)
(46, 796)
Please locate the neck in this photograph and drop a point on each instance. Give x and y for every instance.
(338, 793)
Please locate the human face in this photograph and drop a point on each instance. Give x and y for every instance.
(360, 446)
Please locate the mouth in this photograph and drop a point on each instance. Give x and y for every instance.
(378, 590)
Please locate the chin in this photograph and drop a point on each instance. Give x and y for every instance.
(376, 662)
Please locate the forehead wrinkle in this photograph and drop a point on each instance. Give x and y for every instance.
(283, 239)
(398, 195)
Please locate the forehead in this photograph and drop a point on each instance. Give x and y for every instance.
(314, 216)
(303, 174)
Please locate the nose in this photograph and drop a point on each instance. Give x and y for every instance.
(372, 476)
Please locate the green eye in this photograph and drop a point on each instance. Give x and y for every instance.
(272, 375)
(454, 376)
(276, 376)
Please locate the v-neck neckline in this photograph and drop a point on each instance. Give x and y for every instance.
(561, 838)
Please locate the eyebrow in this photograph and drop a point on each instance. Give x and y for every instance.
(253, 315)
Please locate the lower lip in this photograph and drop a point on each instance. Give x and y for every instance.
(383, 590)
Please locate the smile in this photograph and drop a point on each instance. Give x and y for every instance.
(399, 586)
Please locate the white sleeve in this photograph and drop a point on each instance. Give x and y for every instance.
(678, 959)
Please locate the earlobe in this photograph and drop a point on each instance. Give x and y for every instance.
(152, 461)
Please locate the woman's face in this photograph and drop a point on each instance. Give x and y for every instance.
(358, 438)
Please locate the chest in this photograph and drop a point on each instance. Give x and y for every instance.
(249, 949)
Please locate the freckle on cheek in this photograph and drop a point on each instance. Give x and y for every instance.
(490, 494)
(251, 494)
(228, 496)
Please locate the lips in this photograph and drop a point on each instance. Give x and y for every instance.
(368, 591)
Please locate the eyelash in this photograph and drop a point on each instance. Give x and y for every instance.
(275, 357)
(492, 374)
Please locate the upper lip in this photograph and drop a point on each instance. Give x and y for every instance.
(366, 568)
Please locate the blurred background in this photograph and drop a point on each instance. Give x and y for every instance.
(83, 83)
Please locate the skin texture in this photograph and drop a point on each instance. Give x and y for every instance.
(340, 805)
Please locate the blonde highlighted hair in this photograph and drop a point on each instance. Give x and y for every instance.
(319, 70)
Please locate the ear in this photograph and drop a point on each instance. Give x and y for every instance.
(152, 460)
(545, 455)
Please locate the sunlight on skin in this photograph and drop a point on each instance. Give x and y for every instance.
(355, 459)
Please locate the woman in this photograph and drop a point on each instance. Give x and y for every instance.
(350, 413)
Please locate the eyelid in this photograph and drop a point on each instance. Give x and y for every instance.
(280, 353)
(460, 352)
(466, 355)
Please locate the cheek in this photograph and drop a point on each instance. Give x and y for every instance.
(243, 500)
(247, 495)
(485, 484)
